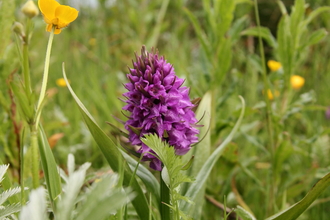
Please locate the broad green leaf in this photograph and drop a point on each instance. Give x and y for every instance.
(112, 155)
(201, 150)
(49, 166)
(225, 15)
(297, 209)
(297, 16)
(264, 33)
(285, 50)
(224, 54)
(205, 171)
(315, 38)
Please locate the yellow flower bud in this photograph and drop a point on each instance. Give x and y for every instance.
(92, 42)
(270, 94)
(29, 9)
(274, 65)
(297, 81)
(18, 29)
(61, 82)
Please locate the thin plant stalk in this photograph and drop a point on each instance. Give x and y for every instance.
(34, 127)
(35, 158)
(268, 111)
(26, 66)
(45, 77)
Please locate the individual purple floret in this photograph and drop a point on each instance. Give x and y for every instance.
(158, 104)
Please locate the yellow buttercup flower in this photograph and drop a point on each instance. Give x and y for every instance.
(297, 81)
(61, 82)
(57, 15)
(274, 65)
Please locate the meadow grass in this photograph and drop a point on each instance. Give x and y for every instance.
(279, 151)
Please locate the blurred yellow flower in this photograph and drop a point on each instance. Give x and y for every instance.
(29, 9)
(297, 81)
(274, 65)
(270, 94)
(61, 82)
(92, 42)
(57, 15)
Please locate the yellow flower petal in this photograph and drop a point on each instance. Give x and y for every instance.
(47, 8)
(57, 31)
(297, 81)
(65, 15)
(49, 27)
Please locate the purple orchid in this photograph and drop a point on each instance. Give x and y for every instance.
(158, 104)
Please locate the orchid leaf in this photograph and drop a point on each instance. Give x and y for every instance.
(112, 155)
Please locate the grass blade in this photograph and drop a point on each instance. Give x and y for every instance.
(297, 209)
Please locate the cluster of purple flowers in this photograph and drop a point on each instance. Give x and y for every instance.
(158, 104)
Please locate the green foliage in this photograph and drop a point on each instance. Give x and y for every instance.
(172, 173)
(297, 209)
(49, 166)
(78, 202)
(7, 209)
(204, 172)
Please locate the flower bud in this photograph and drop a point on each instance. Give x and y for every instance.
(18, 29)
(29, 9)
(297, 81)
(270, 94)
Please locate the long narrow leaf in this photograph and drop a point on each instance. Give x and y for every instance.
(297, 209)
(112, 155)
(145, 175)
(52, 176)
(205, 171)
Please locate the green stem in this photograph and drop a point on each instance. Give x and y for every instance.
(22, 169)
(35, 158)
(26, 66)
(165, 211)
(45, 77)
(268, 113)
